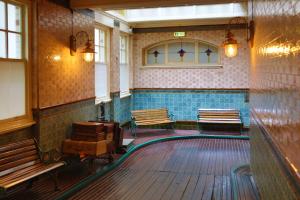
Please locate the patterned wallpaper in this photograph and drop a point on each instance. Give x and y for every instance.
(275, 76)
(71, 78)
(234, 74)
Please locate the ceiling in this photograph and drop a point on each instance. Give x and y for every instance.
(130, 4)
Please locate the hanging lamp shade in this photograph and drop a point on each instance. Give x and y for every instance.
(230, 45)
(88, 52)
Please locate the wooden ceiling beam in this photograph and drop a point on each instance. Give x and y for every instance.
(130, 4)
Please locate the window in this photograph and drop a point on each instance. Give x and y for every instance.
(11, 31)
(182, 53)
(124, 66)
(15, 109)
(102, 65)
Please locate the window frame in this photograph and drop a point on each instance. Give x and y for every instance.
(187, 65)
(124, 94)
(26, 120)
(107, 46)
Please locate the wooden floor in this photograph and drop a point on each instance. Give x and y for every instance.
(246, 186)
(181, 169)
(144, 134)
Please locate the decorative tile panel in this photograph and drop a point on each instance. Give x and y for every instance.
(234, 74)
(71, 78)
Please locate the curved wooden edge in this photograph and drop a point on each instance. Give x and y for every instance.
(118, 162)
(285, 164)
(233, 180)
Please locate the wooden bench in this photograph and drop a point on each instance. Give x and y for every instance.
(150, 117)
(23, 161)
(219, 116)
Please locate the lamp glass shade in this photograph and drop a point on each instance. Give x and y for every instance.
(88, 57)
(231, 50)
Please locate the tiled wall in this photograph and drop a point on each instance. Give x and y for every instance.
(270, 177)
(275, 88)
(114, 60)
(55, 124)
(183, 104)
(234, 74)
(122, 108)
(71, 78)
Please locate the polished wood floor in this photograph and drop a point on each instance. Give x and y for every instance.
(182, 169)
(173, 155)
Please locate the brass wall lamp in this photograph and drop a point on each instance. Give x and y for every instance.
(88, 51)
(230, 44)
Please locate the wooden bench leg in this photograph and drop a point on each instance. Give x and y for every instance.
(133, 130)
(173, 126)
(199, 128)
(3, 193)
(30, 184)
(54, 177)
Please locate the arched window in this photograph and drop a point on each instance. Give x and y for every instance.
(185, 52)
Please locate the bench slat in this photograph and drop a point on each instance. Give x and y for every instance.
(219, 116)
(18, 162)
(17, 156)
(19, 167)
(220, 122)
(154, 122)
(17, 145)
(46, 168)
(19, 172)
(151, 117)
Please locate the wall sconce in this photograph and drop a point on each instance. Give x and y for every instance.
(88, 51)
(230, 44)
(56, 58)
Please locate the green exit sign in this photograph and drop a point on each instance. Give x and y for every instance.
(179, 34)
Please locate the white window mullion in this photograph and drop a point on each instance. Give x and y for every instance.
(124, 66)
(14, 90)
(102, 65)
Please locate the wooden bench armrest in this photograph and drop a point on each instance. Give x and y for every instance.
(50, 156)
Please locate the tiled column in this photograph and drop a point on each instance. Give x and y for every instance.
(114, 60)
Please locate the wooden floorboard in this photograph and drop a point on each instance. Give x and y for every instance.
(182, 169)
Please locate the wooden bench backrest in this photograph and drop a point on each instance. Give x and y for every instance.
(225, 114)
(152, 114)
(16, 156)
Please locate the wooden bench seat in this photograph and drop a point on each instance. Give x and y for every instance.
(219, 116)
(21, 162)
(150, 117)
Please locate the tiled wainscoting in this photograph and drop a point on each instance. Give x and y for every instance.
(118, 109)
(183, 104)
(55, 124)
(273, 180)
